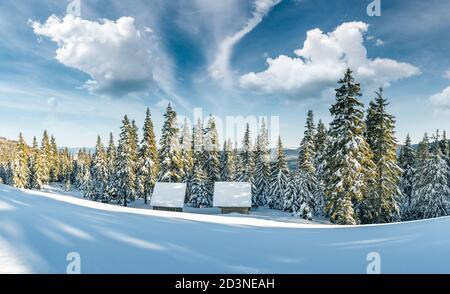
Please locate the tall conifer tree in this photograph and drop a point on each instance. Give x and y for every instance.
(126, 177)
(349, 168)
(407, 161)
(262, 167)
(148, 159)
(171, 167)
(383, 203)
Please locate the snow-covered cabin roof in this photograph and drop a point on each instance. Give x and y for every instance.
(169, 195)
(232, 194)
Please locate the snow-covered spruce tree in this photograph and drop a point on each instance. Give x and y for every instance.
(126, 176)
(66, 168)
(211, 155)
(279, 179)
(46, 160)
(290, 194)
(148, 160)
(303, 197)
(262, 167)
(171, 166)
(9, 173)
(238, 165)
(307, 151)
(86, 182)
(349, 168)
(431, 196)
(82, 164)
(187, 158)
(445, 146)
(245, 173)
(197, 143)
(111, 158)
(227, 167)
(54, 169)
(100, 174)
(407, 162)
(423, 152)
(199, 194)
(135, 159)
(306, 176)
(186, 153)
(2, 174)
(383, 205)
(20, 167)
(321, 141)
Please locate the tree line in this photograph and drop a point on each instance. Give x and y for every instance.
(350, 172)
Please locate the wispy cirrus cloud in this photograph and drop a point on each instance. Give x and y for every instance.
(220, 67)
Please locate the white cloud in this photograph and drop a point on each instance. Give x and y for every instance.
(220, 68)
(323, 60)
(441, 99)
(117, 56)
(447, 74)
(379, 42)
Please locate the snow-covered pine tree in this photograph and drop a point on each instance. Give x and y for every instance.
(384, 203)
(126, 177)
(211, 164)
(279, 179)
(306, 174)
(407, 161)
(21, 171)
(431, 196)
(199, 194)
(171, 167)
(46, 158)
(148, 160)
(349, 168)
(100, 174)
(245, 174)
(227, 167)
(262, 167)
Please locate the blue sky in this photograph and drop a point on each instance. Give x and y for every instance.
(77, 77)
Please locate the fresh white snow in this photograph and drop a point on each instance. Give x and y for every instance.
(39, 229)
(232, 194)
(169, 195)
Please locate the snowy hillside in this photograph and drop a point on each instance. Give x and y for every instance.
(38, 230)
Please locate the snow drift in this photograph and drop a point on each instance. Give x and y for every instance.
(38, 230)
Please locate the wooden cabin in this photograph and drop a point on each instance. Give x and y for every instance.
(233, 197)
(169, 197)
